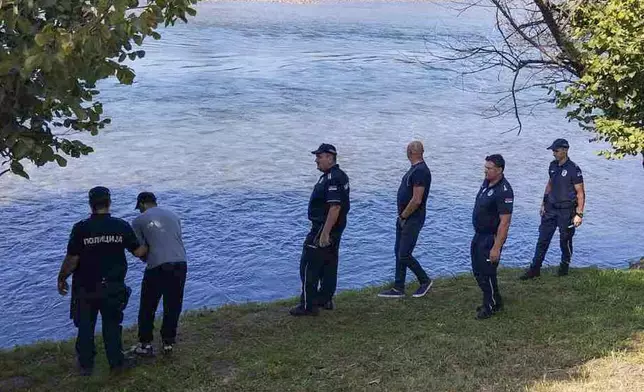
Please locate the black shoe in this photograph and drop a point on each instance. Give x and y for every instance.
(167, 348)
(531, 273)
(495, 308)
(83, 371)
(563, 269)
(329, 305)
(423, 289)
(128, 363)
(299, 310)
(392, 293)
(484, 313)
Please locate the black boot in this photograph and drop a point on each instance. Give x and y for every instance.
(563, 269)
(531, 273)
(299, 310)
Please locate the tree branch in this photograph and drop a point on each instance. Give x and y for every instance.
(562, 42)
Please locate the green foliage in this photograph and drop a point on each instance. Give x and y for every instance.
(608, 98)
(52, 54)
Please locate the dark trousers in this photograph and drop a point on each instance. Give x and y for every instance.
(318, 269)
(167, 281)
(110, 303)
(406, 238)
(552, 219)
(484, 271)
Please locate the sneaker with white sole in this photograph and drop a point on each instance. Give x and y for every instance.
(423, 289)
(392, 293)
(143, 350)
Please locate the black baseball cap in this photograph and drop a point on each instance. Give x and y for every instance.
(98, 195)
(145, 197)
(559, 143)
(324, 147)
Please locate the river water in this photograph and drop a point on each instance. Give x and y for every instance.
(220, 122)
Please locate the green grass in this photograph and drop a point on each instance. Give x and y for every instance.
(551, 328)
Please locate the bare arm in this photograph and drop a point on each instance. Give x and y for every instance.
(502, 231)
(140, 252)
(69, 265)
(501, 236)
(581, 197)
(331, 219)
(414, 203)
(547, 191)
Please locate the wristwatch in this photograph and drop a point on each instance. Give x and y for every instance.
(580, 214)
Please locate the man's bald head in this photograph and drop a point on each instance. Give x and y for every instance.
(415, 151)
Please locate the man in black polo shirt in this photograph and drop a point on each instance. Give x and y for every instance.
(491, 219)
(562, 207)
(412, 201)
(328, 208)
(96, 257)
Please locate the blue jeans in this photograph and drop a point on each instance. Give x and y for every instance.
(406, 238)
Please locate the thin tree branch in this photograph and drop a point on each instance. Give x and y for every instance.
(562, 42)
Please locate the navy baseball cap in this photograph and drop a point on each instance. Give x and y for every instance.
(98, 194)
(559, 143)
(324, 147)
(145, 197)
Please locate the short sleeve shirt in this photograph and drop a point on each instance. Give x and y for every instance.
(100, 242)
(332, 188)
(491, 203)
(417, 175)
(563, 179)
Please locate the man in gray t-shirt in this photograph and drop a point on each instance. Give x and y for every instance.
(165, 273)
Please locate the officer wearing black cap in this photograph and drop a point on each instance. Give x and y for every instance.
(96, 257)
(491, 219)
(562, 207)
(328, 209)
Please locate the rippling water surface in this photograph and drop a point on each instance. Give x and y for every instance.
(220, 123)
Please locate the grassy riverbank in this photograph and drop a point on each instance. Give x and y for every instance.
(584, 332)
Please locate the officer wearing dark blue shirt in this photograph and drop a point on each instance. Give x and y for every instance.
(95, 256)
(491, 220)
(562, 207)
(412, 201)
(328, 208)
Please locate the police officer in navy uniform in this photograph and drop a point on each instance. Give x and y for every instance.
(491, 219)
(562, 207)
(412, 200)
(328, 208)
(96, 257)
